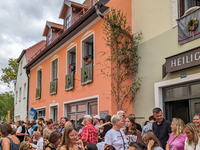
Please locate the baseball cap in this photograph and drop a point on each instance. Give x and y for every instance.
(97, 116)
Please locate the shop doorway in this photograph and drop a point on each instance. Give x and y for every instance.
(182, 101)
(178, 109)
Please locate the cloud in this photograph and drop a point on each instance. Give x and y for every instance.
(22, 25)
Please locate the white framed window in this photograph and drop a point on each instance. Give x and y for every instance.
(71, 60)
(16, 97)
(40, 113)
(24, 93)
(54, 69)
(20, 94)
(76, 111)
(39, 78)
(88, 50)
(184, 5)
(68, 24)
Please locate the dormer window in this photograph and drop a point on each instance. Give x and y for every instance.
(52, 31)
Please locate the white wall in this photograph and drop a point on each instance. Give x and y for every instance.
(20, 104)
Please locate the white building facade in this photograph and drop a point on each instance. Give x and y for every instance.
(21, 90)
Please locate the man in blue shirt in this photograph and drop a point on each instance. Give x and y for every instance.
(149, 125)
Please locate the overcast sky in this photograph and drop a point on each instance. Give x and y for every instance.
(22, 24)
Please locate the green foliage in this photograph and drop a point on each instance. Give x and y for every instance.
(124, 58)
(10, 72)
(6, 104)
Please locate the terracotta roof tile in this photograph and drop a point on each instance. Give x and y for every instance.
(56, 25)
(77, 4)
(34, 50)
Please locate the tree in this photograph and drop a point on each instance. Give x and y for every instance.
(10, 72)
(6, 104)
(124, 58)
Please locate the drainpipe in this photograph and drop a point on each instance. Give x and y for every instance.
(98, 11)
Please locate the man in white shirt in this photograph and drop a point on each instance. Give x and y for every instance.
(40, 140)
(22, 132)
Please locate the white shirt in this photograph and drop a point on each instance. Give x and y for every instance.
(19, 130)
(192, 146)
(116, 139)
(40, 144)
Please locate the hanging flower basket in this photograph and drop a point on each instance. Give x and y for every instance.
(192, 24)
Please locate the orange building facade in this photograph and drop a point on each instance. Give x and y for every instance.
(55, 89)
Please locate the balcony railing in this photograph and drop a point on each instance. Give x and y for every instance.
(69, 82)
(53, 87)
(38, 93)
(86, 74)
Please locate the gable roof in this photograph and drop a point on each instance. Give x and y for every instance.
(51, 25)
(34, 50)
(21, 55)
(67, 4)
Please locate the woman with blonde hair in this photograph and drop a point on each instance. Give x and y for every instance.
(151, 141)
(177, 138)
(70, 139)
(192, 141)
(68, 123)
(25, 145)
(40, 128)
(196, 121)
(115, 136)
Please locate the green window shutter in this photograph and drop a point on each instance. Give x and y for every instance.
(72, 80)
(38, 93)
(69, 82)
(66, 83)
(82, 76)
(90, 73)
(53, 87)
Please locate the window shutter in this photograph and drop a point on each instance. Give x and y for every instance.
(69, 82)
(66, 83)
(90, 73)
(53, 87)
(82, 76)
(72, 80)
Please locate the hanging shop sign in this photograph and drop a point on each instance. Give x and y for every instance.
(182, 61)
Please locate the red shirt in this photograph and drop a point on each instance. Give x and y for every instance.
(89, 133)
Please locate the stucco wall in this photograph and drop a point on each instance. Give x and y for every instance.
(151, 17)
(20, 107)
(153, 53)
(100, 86)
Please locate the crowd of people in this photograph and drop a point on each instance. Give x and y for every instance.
(117, 132)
